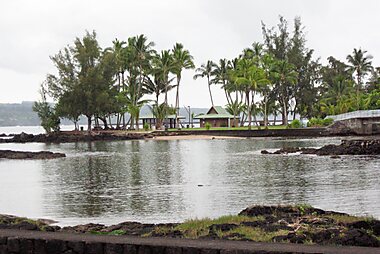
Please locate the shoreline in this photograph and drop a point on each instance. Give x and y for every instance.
(300, 224)
(77, 136)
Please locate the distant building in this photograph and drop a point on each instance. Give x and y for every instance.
(217, 116)
(170, 120)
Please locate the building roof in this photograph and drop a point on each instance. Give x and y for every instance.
(151, 116)
(221, 113)
(356, 114)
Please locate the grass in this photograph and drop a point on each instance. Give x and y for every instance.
(115, 232)
(200, 227)
(347, 218)
(256, 234)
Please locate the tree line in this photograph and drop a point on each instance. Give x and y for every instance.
(278, 76)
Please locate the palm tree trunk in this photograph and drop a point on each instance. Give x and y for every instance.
(89, 123)
(265, 112)
(177, 103)
(253, 110)
(249, 111)
(209, 89)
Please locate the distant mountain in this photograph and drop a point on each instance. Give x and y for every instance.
(22, 114)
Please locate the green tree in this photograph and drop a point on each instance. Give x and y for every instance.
(49, 120)
(222, 76)
(181, 60)
(285, 77)
(360, 64)
(83, 71)
(250, 77)
(206, 70)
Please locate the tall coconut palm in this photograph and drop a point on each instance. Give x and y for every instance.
(119, 51)
(250, 76)
(154, 84)
(142, 51)
(361, 64)
(163, 65)
(182, 60)
(206, 71)
(221, 76)
(267, 63)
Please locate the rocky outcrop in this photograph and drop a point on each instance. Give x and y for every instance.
(294, 224)
(17, 155)
(347, 147)
(73, 137)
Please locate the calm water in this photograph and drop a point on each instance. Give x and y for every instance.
(157, 181)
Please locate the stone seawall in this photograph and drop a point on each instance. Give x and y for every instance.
(36, 242)
(302, 132)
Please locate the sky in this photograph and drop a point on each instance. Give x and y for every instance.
(31, 31)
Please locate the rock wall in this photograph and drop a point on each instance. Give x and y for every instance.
(356, 126)
(33, 242)
(302, 132)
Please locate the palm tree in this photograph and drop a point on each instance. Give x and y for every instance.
(155, 85)
(235, 108)
(182, 60)
(206, 71)
(285, 76)
(250, 76)
(163, 65)
(360, 64)
(142, 51)
(221, 76)
(267, 63)
(119, 52)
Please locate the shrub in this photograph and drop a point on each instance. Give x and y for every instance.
(315, 122)
(146, 126)
(318, 122)
(295, 124)
(207, 126)
(327, 121)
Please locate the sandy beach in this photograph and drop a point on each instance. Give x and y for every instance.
(193, 137)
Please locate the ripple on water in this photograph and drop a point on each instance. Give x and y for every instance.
(170, 181)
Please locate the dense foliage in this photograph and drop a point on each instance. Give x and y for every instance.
(279, 76)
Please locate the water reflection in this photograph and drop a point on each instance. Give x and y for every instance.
(162, 181)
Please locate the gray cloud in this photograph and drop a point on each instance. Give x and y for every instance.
(31, 31)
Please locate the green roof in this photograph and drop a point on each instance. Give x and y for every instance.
(220, 110)
(214, 116)
(221, 113)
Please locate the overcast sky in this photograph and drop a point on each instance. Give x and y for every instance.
(31, 31)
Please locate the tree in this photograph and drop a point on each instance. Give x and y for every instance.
(285, 77)
(140, 53)
(360, 64)
(235, 108)
(206, 70)
(221, 76)
(181, 60)
(250, 77)
(49, 120)
(85, 76)
(291, 47)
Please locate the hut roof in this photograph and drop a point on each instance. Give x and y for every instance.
(215, 112)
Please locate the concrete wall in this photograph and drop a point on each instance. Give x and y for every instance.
(35, 242)
(363, 126)
(303, 132)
